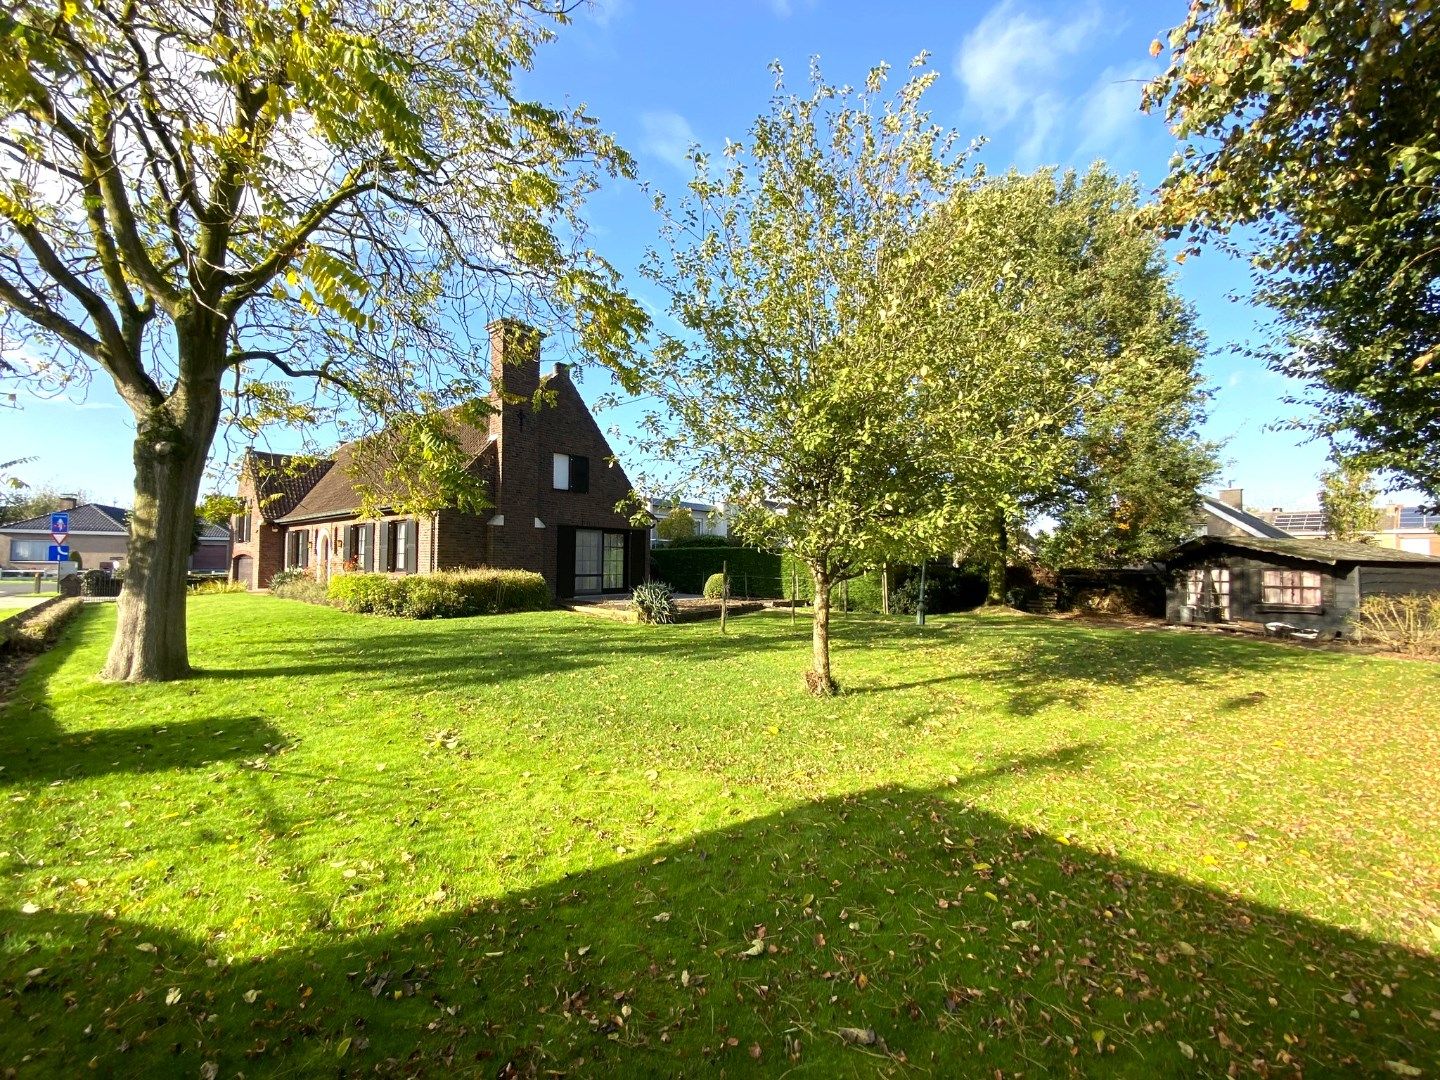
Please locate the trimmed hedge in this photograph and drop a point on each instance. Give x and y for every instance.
(446, 594)
(35, 630)
(864, 590)
(753, 573)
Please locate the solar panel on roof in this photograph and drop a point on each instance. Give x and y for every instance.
(1412, 518)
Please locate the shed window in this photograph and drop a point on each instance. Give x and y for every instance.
(1209, 587)
(1291, 588)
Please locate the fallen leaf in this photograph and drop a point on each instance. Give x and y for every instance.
(145, 946)
(342, 1047)
(858, 1036)
(172, 995)
(1187, 1051)
(29, 908)
(756, 948)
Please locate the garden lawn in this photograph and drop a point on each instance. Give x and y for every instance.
(551, 843)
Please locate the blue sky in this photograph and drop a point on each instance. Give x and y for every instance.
(1046, 83)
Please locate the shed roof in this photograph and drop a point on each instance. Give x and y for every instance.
(1328, 552)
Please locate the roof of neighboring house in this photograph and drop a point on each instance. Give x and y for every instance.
(1246, 522)
(98, 518)
(85, 518)
(332, 493)
(683, 504)
(1329, 552)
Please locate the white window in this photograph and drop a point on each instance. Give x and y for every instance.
(1418, 544)
(1291, 588)
(562, 472)
(1207, 589)
(30, 550)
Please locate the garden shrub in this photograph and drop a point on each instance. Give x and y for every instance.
(300, 587)
(446, 594)
(714, 587)
(654, 602)
(864, 591)
(1408, 623)
(753, 573)
(947, 589)
(34, 632)
(217, 585)
(286, 577)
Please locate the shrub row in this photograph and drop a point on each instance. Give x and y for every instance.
(753, 573)
(442, 595)
(1408, 624)
(35, 631)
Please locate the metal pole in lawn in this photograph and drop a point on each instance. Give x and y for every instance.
(724, 591)
(920, 604)
(794, 590)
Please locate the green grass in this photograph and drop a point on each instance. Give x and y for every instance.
(549, 841)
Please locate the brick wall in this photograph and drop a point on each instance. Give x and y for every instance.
(257, 560)
(526, 438)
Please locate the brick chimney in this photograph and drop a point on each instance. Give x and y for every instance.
(515, 366)
(514, 357)
(1233, 497)
(68, 502)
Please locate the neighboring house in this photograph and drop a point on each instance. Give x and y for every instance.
(710, 519)
(98, 535)
(549, 472)
(1225, 515)
(1306, 583)
(1401, 528)
(1408, 528)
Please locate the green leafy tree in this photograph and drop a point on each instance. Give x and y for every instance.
(678, 524)
(1061, 376)
(1347, 499)
(787, 390)
(306, 205)
(1311, 138)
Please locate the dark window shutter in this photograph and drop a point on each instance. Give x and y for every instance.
(580, 474)
(368, 546)
(382, 546)
(565, 568)
(412, 541)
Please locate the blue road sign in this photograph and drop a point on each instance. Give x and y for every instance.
(59, 552)
(60, 525)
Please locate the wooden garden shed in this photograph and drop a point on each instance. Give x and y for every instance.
(1309, 584)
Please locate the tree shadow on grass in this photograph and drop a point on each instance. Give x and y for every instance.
(1038, 663)
(33, 749)
(967, 943)
(439, 654)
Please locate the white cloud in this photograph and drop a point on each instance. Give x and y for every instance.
(668, 136)
(1111, 106)
(783, 9)
(1009, 61)
(604, 12)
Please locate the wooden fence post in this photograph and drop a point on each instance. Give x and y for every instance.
(724, 591)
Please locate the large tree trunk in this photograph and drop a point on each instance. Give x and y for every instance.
(999, 556)
(818, 679)
(172, 442)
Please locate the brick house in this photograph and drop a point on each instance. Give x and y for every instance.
(549, 472)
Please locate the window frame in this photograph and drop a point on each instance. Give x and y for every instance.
(43, 546)
(1219, 579)
(570, 472)
(1298, 587)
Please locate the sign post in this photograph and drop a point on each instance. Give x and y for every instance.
(59, 551)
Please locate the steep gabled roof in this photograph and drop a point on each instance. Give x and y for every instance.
(1328, 552)
(333, 494)
(282, 480)
(1247, 523)
(85, 518)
